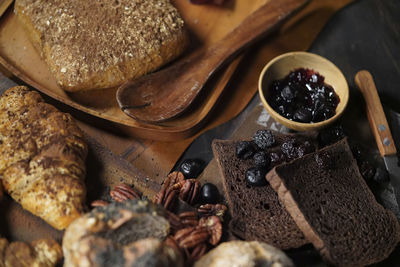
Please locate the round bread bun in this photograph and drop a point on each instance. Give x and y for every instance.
(120, 234)
(244, 254)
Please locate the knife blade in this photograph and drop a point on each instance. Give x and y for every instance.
(380, 128)
(391, 163)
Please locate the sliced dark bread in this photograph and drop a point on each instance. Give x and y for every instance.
(329, 200)
(257, 213)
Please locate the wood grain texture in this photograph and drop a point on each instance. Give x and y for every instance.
(375, 113)
(4, 4)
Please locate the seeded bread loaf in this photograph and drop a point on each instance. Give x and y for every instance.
(257, 213)
(42, 157)
(333, 206)
(100, 44)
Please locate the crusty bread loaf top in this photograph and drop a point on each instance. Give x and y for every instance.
(83, 38)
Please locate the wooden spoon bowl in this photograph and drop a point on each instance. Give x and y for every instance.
(280, 66)
(167, 93)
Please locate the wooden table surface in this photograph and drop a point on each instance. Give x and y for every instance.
(347, 40)
(146, 162)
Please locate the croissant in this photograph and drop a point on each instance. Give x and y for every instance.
(39, 253)
(42, 157)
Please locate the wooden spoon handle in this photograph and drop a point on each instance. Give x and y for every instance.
(257, 25)
(375, 113)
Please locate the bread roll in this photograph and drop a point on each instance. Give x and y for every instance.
(39, 253)
(130, 233)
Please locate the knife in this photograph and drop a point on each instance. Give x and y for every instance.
(380, 128)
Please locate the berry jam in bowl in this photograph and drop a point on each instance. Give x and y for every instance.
(303, 91)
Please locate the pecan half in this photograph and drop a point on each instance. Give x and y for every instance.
(171, 242)
(123, 192)
(167, 194)
(99, 203)
(189, 218)
(188, 190)
(212, 210)
(191, 236)
(174, 221)
(214, 227)
(197, 252)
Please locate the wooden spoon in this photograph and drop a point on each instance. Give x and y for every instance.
(167, 93)
(4, 4)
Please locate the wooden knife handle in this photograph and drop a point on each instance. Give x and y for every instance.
(375, 113)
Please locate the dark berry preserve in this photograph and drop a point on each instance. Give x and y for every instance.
(303, 96)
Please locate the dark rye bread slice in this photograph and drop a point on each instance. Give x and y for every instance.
(257, 213)
(333, 206)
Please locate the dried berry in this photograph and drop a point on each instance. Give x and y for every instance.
(381, 175)
(302, 115)
(293, 150)
(255, 176)
(245, 149)
(209, 193)
(192, 168)
(289, 149)
(303, 96)
(276, 158)
(367, 170)
(264, 139)
(288, 93)
(261, 159)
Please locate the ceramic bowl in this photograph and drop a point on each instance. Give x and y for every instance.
(280, 67)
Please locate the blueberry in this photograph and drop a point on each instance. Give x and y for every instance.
(381, 175)
(302, 115)
(255, 176)
(264, 139)
(245, 149)
(209, 194)
(261, 159)
(192, 168)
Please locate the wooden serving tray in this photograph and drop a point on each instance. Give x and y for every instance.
(206, 23)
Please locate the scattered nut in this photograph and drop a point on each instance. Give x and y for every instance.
(99, 203)
(123, 192)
